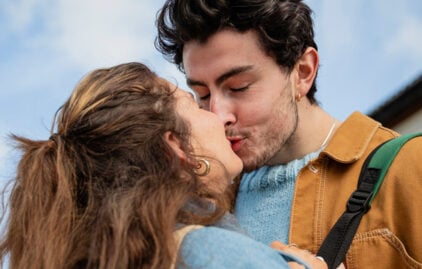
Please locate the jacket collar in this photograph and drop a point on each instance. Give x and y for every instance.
(352, 138)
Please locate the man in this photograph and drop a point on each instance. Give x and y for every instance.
(254, 64)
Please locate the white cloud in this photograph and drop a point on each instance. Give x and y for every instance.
(19, 13)
(2, 155)
(94, 33)
(6, 161)
(407, 39)
(83, 34)
(336, 23)
(55, 38)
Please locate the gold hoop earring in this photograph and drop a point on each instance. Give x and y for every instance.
(297, 97)
(203, 168)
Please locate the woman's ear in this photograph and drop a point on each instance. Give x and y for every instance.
(175, 145)
(306, 68)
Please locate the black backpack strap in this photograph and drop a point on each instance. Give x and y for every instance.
(337, 242)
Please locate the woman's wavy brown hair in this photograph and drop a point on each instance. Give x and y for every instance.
(105, 191)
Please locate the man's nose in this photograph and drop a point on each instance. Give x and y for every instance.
(224, 109)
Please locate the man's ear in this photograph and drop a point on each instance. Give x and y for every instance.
(175, 144)
(306, 70)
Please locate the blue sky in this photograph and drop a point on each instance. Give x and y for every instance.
(369, 50)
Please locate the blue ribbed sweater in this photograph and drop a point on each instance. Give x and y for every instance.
(264, 200)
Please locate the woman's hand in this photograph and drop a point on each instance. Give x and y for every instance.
(303, 254)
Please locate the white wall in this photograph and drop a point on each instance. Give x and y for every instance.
(411, 124)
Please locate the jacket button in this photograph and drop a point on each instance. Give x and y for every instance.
(313, 169)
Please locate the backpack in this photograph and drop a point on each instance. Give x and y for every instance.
(334, 247)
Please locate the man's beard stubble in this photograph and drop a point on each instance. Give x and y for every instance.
(272, 144)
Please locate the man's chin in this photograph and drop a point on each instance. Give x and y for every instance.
(253, 162)
(250, 166)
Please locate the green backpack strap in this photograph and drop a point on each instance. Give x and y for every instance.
(385, 155)
(333, 249)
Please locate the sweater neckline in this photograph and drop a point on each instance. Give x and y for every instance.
(275, 175)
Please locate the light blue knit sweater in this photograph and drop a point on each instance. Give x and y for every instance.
(264, 200)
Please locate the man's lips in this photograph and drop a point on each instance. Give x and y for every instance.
(236, 143)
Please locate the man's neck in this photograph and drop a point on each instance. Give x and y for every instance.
(314, 130)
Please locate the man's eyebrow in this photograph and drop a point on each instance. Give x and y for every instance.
(230, 73)
(191, 82)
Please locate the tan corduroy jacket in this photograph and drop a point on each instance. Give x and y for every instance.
(390, 234)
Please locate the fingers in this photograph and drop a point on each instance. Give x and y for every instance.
(295, 265)
(341, 266)
(278, 245)
(315, 262)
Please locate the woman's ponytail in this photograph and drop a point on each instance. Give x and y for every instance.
(41, 205)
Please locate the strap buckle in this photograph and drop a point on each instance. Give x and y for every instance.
(359, 201)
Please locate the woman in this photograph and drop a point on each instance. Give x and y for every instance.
(131, 159)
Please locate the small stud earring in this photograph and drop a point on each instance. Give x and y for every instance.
(297, 97)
